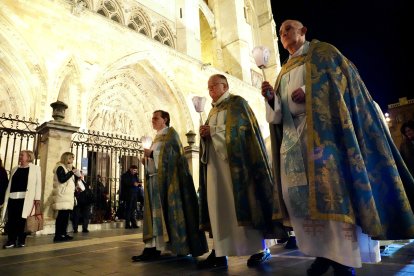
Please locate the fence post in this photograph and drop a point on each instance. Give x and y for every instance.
(56, 137)
(192, 154)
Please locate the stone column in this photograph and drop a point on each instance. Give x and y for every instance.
(188, 28)
(234, 34)
(56, 137)
(192, 154)
(268, 36)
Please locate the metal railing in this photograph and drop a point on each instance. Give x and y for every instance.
(17, 134)
(103, 157)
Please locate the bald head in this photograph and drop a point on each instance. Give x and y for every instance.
(293, 22)
(292, 35)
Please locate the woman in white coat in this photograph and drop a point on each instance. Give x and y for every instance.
(24, 189)
(65, 177)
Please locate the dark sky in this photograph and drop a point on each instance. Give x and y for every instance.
(374, 35)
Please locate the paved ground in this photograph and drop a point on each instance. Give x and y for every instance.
(108, 252)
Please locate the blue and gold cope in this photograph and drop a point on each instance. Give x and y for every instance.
(177, 217)
(249, 168)
(355, 172)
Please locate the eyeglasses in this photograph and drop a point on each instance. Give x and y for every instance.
(214, 85)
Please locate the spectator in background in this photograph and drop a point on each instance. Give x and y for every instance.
(101, 200)
(64, 183)
(84, 199)
(129, 195)
(108, 214)
(24, 189)
(140, 199)
(4, 182)
(407, 145)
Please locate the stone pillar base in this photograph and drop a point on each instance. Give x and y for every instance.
(192, 155)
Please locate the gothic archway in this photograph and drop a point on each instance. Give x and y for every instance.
(129, 91)
(22, 80)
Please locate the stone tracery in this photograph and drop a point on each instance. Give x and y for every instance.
(125, 95)
(112, 10)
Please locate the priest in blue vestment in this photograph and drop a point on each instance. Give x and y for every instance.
(171, 218)
(339, 173)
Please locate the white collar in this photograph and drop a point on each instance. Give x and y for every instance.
(300, 50)
(162, 131)
(222, 98)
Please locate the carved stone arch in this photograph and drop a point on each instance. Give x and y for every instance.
(163, 33)
(23, 84)
(134, 87)
(69, 90)
(88, 4)
(137, 11)
(111, 9)
(207, 13)
(163, 71)
(209, 53)
(11, 94)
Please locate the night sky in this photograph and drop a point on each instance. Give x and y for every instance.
(374, 36)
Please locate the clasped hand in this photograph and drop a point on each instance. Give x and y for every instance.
(267, 91)
(205, 131)
(76, 172)
(298, 96)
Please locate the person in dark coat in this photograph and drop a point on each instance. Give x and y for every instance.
(81, 212)
(4, 181)
(407, 146)
(100, 200)
(140, 199)
(129, 195)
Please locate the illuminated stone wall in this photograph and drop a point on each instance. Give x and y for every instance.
(114, 62)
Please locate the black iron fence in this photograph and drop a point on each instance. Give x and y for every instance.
(17, 134)
(103, 158)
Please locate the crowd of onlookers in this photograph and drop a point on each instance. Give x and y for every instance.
(73, 199)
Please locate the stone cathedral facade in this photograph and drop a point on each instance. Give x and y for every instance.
(113, 62)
